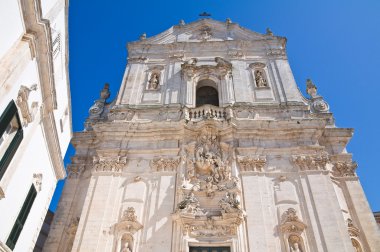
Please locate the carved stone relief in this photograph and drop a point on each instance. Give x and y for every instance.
(310, 162)
(109, 164)
(210, 204)
(354, 233)
(247, 163)
(22, 102)
(37, 181)
(190, 69)
(164, 164)
(74, 171)
(344, 169)
(292, 228)
(126, 228)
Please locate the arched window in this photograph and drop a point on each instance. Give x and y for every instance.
(206, 94)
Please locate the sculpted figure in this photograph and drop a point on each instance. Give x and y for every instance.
(125, 247)
(153, 82)
(260, 80)
(295, 248)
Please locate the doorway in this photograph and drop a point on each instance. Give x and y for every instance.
(210, 249)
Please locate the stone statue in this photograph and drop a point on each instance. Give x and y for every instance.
(259, 78)
(189, 204)
(154, 81)
(98, 107)
(295, 247)
(294, 243)
(125, 247)
(230, 203)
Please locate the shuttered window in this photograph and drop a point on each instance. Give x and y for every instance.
(11, 135)
(21, 218)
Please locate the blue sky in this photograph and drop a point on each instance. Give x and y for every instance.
(336, 43)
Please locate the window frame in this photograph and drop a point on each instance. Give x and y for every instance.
(21, 218)
(5, 119)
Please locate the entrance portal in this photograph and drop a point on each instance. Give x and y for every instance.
(210, 249)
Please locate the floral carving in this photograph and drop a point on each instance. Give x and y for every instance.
(165, 164)
(344, 169)
(251, 163)
(109, 164)
(310, 162)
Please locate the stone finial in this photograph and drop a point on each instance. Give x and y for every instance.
(143, 36)
(181, 22)
(269, 32)
(228, 21)
(311, 89)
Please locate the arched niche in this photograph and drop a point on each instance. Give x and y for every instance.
(207, 93)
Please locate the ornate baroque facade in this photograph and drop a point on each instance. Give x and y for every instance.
(209, 143)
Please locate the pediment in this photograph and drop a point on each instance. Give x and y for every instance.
(204, 30)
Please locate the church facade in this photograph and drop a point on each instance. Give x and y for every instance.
(210, 146)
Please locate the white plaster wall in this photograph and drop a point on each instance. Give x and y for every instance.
(11, 25)
(28, 162)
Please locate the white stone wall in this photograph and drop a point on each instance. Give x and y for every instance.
(25, 55)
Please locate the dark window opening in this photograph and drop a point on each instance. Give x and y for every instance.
(11, 135)
(207, 95)
(21, 218)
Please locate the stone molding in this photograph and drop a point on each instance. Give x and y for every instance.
(165, 164)
(311, 162)
(254, 163)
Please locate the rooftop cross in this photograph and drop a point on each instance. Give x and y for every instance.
(205, 14)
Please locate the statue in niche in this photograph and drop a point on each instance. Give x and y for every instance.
(260, 79)
(294, 244)
(125, 247)
(153, 81)
(126, 242)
